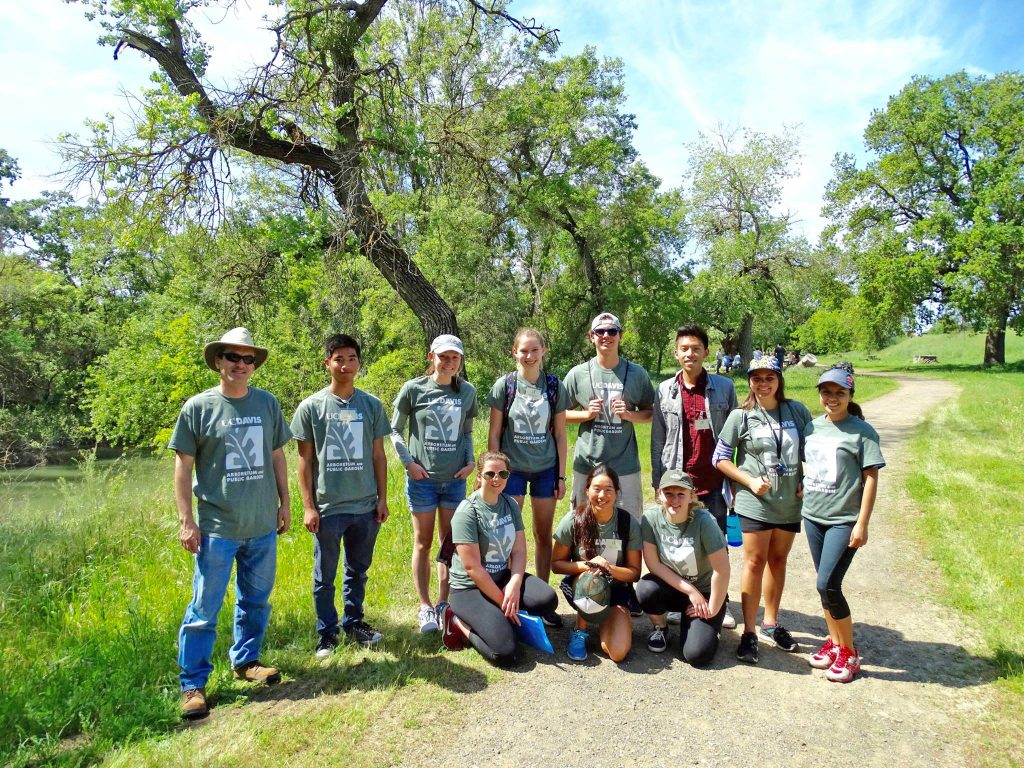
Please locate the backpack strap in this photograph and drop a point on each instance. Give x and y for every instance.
(622, 525)
(551, 391)
(511, 385)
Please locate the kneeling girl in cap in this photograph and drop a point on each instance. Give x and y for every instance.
(600, 539)
(688, 570)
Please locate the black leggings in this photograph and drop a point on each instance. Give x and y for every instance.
(492, 634)
(698, 638)
(832, 555)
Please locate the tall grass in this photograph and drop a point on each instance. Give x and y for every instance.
(93, 585)
(968, 482)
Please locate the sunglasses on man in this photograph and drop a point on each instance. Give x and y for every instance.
(234, 357)
(606, 331)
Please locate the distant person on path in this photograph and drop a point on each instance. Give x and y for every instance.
(792, 358)
(489, 583)
(843, 457)
(343, 477)
(439, 409)
(600, 538)
(780, 354)
(757, 354)
(607, 396)
(527, 424)
(737, 361)
(766, 433)
(690, 410)
(719, 358)
(688, 566)
(233, 436)
(726, 362)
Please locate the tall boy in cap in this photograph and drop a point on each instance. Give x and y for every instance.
(343, 476)
(607, 396)
(233, 435)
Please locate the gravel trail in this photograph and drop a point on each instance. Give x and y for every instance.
(908, 708)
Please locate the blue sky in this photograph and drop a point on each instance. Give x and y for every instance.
(816, 68)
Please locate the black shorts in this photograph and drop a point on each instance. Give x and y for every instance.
(750, 525)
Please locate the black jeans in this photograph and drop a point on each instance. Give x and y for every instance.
(493, 635)
(698, 638)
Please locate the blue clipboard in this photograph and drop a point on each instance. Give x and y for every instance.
(533, 633)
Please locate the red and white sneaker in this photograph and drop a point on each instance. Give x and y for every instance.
(846, 667)
(451, 637)
(825, 656)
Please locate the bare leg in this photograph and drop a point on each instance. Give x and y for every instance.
(423, 539)
(755, 557)
(775, 574)
(543, 517)
(617, 634)
(444, 527)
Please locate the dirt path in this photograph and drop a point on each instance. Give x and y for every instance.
(917, 687)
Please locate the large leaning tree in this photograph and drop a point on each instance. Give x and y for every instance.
(301, 111)
(935, 219)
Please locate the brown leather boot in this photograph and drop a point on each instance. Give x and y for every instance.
(193, 704)
(254, 672)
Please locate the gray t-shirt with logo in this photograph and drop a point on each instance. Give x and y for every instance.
(232, 439)
(491, 527)
(608, 543)
(527, 440)
(342, 433)
(608, 439)
(758, 437)
(684, 547)
(835, 456)
(440, 425)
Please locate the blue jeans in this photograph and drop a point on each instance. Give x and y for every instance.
(715, 503)
(257, 566)
(359, 533)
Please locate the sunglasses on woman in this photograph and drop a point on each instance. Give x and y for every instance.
(490, 474)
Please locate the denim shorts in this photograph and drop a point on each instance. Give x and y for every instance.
(428, 495)
(542, 484)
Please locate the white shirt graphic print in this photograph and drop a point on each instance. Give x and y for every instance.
(821, 454)
(681, 555)
(500, 548)
(243, 448)
(445, 413)
(344, 440)
(529, 417)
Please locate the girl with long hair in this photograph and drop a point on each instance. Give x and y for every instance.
(602, 539)
(765, 433)
(843, 457)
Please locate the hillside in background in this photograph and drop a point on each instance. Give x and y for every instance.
(952, 349)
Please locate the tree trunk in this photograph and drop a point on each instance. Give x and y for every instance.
(746, 338)
(995, 343)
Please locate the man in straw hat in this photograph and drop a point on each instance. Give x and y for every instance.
(233, 435)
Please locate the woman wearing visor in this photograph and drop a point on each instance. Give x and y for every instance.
(765, 436)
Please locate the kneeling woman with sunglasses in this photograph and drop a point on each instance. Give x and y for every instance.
(489, 583)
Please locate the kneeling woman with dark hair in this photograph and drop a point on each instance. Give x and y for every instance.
(689, 570)
(600, 538)
(489, 583)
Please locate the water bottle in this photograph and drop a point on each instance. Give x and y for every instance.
(732, 530)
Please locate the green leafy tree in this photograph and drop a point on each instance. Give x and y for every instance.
(753, 262)
(935, 219)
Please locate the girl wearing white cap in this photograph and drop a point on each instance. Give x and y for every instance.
(843, 457)
(439, 409)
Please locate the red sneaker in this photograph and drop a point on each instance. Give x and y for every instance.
(451, 637)
(846, 667)
(825, 657)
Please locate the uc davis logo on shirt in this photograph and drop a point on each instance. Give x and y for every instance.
(243, 448)
(344, 439)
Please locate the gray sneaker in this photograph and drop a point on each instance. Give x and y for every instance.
(427, 619)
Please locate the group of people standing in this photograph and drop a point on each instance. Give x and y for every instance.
(767, 459)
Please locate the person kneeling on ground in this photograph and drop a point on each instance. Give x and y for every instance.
(601, 539)
(488, 575)
(689, 570)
